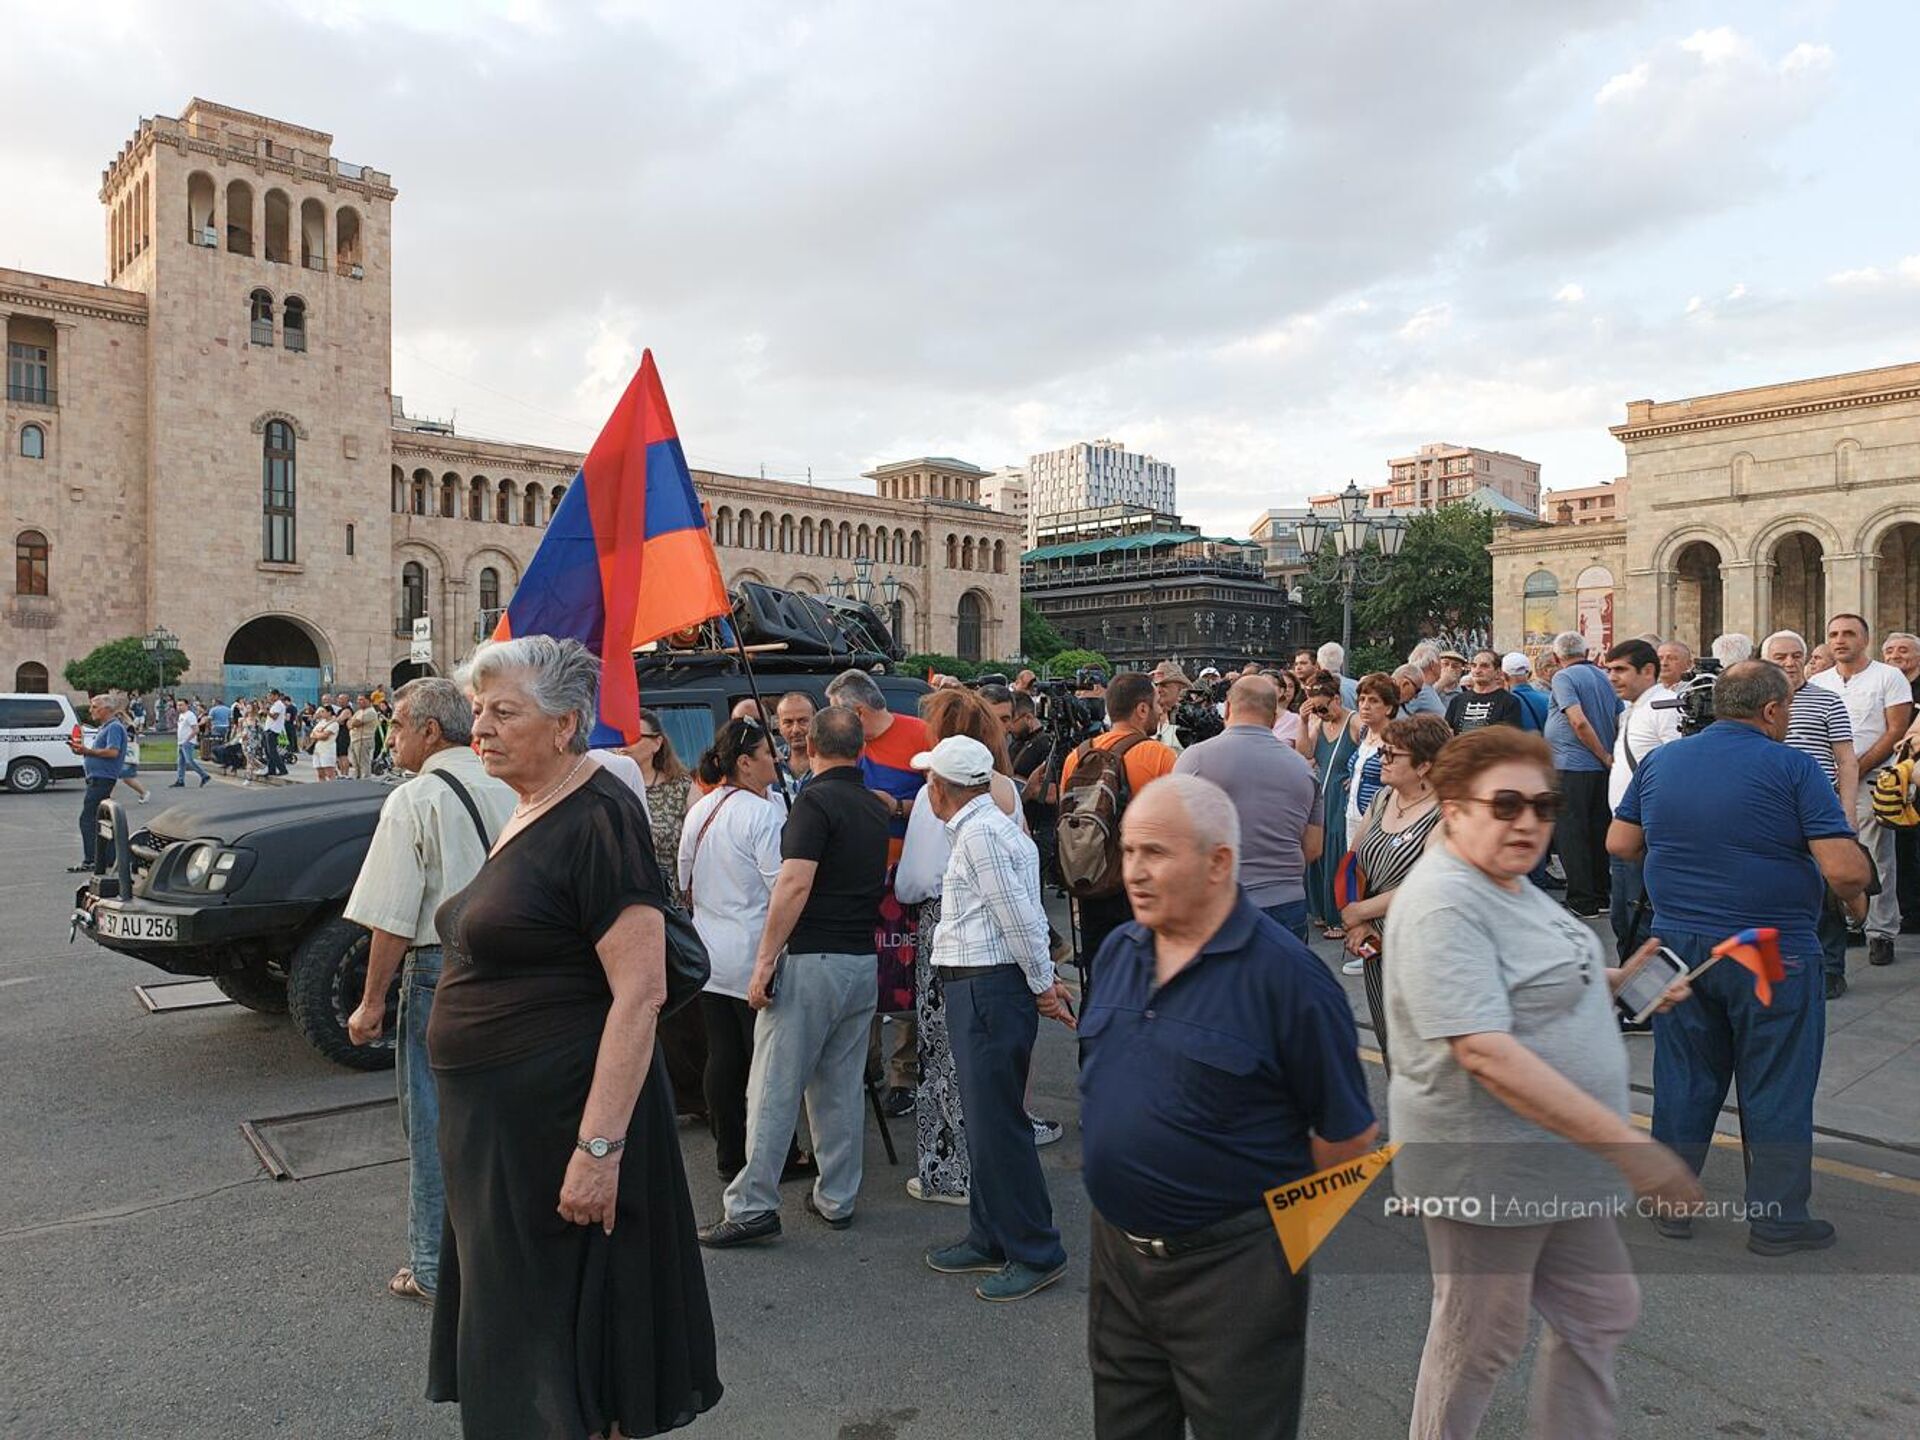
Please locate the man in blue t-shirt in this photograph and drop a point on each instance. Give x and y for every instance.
(1738, 830)
(1580, 725)
(103, 754)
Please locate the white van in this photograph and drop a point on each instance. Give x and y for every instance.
(33, 741)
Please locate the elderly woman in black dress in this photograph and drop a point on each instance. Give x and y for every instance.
(572, 1302)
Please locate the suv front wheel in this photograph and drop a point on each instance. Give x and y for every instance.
(324, 985)
(28, 777)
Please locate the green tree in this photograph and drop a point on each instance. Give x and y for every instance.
(123, 664)
(1064, 662)
(1039, 641)
(1441, 581)
(919, 665)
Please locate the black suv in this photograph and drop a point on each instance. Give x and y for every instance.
(247, 886)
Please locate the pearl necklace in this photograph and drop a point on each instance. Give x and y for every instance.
(529, 808)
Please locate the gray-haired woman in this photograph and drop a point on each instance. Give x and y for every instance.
(553, 1095)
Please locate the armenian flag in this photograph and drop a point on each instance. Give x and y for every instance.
(1758, 951)
(627, 557)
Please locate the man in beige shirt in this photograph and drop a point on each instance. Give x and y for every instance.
(362, 726)
(433, 837)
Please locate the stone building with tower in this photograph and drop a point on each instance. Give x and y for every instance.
(1750, 510)
(209, 441)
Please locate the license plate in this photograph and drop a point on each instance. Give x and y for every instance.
(119, 925)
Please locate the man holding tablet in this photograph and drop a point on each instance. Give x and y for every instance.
(1748, 848)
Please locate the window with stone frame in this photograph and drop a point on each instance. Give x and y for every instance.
(277, 484)
(33, 443)
(30, 563)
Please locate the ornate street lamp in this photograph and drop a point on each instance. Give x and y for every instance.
(160, 642)
(1337, 551)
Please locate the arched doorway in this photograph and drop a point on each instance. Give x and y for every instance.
(1697, 595)
(1898, 575)
(1539, 604)
(274, 652)
(406, 670)
(967, 640)
(1593, 608)
(1798, 587)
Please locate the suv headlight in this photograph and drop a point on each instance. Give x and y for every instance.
(199, 865)
(207, 865)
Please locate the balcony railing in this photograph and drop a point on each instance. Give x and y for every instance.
(32, 393)
(1046, 576)
(263, 332)
(296, 340)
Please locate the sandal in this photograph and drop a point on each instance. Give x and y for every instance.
(1334, 932)
(404, 1287)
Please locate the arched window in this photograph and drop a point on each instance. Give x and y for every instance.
(477, 498)
(723, 525)
(786, 535)
(277, 493)
(293, 323)
(846, 541)
(530, 506)
(953, 552)
(346, 241)
(399, 491)
(200, 229)
(806, 535)
(260, 316)
(413, 591)
(489, 590)
(966, 553)
(916, 550)
(239, 218)
(554, 497)
(766, 530)
(823, 533)
(278, 246)
(967, 643)
(503, 503)
(863, 542)
(30, 678)
(30, 563)
(449, 496)
(417, 492)
(899, 547)
(33, 442)
(999, 557)
(313, 235)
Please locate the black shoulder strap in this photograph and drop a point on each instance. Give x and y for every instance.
(473, 810)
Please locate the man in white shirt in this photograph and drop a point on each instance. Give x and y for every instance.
(992, 954)
(432, 839)
(1633, 668)
(1879, 701)
(186, 735)
(274, 741)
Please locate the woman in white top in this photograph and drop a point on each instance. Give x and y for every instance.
(939, 1129)
(729, 858)
(325, 736)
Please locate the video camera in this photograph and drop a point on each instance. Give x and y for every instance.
(1694, 697)
(1196, 716)
(1065, 715)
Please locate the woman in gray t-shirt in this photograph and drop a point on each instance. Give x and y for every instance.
(1509, 1094)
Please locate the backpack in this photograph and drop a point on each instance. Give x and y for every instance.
(1893, 791)
(1088, 837)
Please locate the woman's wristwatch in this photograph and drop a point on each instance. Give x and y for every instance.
(599, 1147)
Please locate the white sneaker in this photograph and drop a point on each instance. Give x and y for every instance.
(1354, 967)
(1045, 1132)
(920, 1192)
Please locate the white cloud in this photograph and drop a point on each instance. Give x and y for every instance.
(1738, 291)
(1427, 320)
(1570, 294)
(1625, 84)
(1695, 305)
(1719, 46)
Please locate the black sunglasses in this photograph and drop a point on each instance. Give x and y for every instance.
(1507, 804)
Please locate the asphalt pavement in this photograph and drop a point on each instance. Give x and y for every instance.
(155, 1283)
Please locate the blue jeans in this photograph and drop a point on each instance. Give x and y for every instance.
(1774, 1051)
(1290, 916)
(420, 1116)
(1629, 884)
(187, 761)
(270, 746)
(991, 1024)
(1833, 939)
(99, 787)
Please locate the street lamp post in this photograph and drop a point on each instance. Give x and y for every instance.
(868, 591)
(158, 642)
(1336, 551)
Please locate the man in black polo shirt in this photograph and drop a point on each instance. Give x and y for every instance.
(1219, 1060)
(811, 1035)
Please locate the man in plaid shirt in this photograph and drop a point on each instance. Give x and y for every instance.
(990, 954)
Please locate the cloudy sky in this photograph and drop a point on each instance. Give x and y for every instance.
(1273, 243)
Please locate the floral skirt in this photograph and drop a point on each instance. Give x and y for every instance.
(940, 1131)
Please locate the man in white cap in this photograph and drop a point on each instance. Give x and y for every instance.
(994, 965)
(1518, 671)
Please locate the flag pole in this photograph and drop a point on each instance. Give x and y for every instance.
(766, 720)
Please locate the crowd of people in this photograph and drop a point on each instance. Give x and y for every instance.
(1460, 825)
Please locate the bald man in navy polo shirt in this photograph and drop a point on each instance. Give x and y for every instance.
(1219, 1059)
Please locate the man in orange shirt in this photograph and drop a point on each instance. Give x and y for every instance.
(1132, 712)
